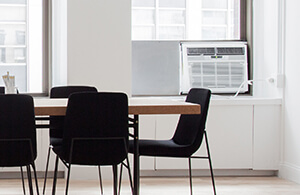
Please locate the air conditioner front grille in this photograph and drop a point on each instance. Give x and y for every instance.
(200, 51)
(221, 75)
(230, 51)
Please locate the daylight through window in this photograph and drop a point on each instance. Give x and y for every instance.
(21, 48)
(185, 19)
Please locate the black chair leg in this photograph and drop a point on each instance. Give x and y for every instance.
(210, 164)
(55, 176)
(120, 180)
(129, 174)
(29, 179)
(115, 175)
(46, 171)
(100, 179)
(68, 179)
(190, 174)
(35, 176)
(130, 177)
(23, 184)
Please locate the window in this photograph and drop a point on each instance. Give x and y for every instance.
(160, 27)
(186, 19)
(22, 52)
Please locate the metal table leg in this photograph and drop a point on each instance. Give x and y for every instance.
(136, 161)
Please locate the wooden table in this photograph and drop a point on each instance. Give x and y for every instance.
(137, 106)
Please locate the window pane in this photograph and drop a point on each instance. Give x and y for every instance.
(143, 33)
(172, 3)
(143, 17)
(171, 17)
(213, 33)
(214, 17)
(199, 20)
(21, 51)
(12, 55)
(12, 1)
(12, 34)
(20, 73)
(171, 32)
(143, 3)
(209, 4)
(12, 14)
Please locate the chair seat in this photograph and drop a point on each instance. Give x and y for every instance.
(167, 148)
(55, 141)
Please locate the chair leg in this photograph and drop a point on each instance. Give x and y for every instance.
(210, 164)
(190, 174)
(35, 176)
(29, 179)
(120, 180)
(68, 179)
(129, 174)
(55, 176)
(46, 171)
(23, 184)
(115, 175)
(100, 179)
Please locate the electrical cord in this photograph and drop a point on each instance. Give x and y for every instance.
(250, 82)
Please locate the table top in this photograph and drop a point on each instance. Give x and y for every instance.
(137, 106)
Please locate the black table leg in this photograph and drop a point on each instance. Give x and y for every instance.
(136, 159)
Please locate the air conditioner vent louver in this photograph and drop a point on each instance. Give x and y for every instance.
(230, 51)
(221, 67)
(201, 51)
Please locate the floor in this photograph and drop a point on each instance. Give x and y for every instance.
(171, 186)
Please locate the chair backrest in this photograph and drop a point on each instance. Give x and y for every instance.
(17, 130)
(65, 91)
(190, 128)
(57, 122)
(96, 128)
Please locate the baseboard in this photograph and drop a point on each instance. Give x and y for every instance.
(106, 174)
(290, 172)
(17, 174)
(203, 173)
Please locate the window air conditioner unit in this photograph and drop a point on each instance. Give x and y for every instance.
(219, 66)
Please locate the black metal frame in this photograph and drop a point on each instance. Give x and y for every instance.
(210, 166)
(134, 123)
(27, 168)
(68, 165)
(47, 126)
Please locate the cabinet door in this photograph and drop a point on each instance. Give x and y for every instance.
(267, 124)
(146, 131)
(229, 130)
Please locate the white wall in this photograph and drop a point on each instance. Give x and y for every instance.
(99, 53)
(59, 42)
(290, 168)
(266, 47)
(99, 44)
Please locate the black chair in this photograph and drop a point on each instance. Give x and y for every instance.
(95, 133)
(18, 135)
(57, 122)
(187, 138)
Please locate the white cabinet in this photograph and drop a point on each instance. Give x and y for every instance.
(147, 131)
(242, 135)
(266, 135)
(229, 130)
